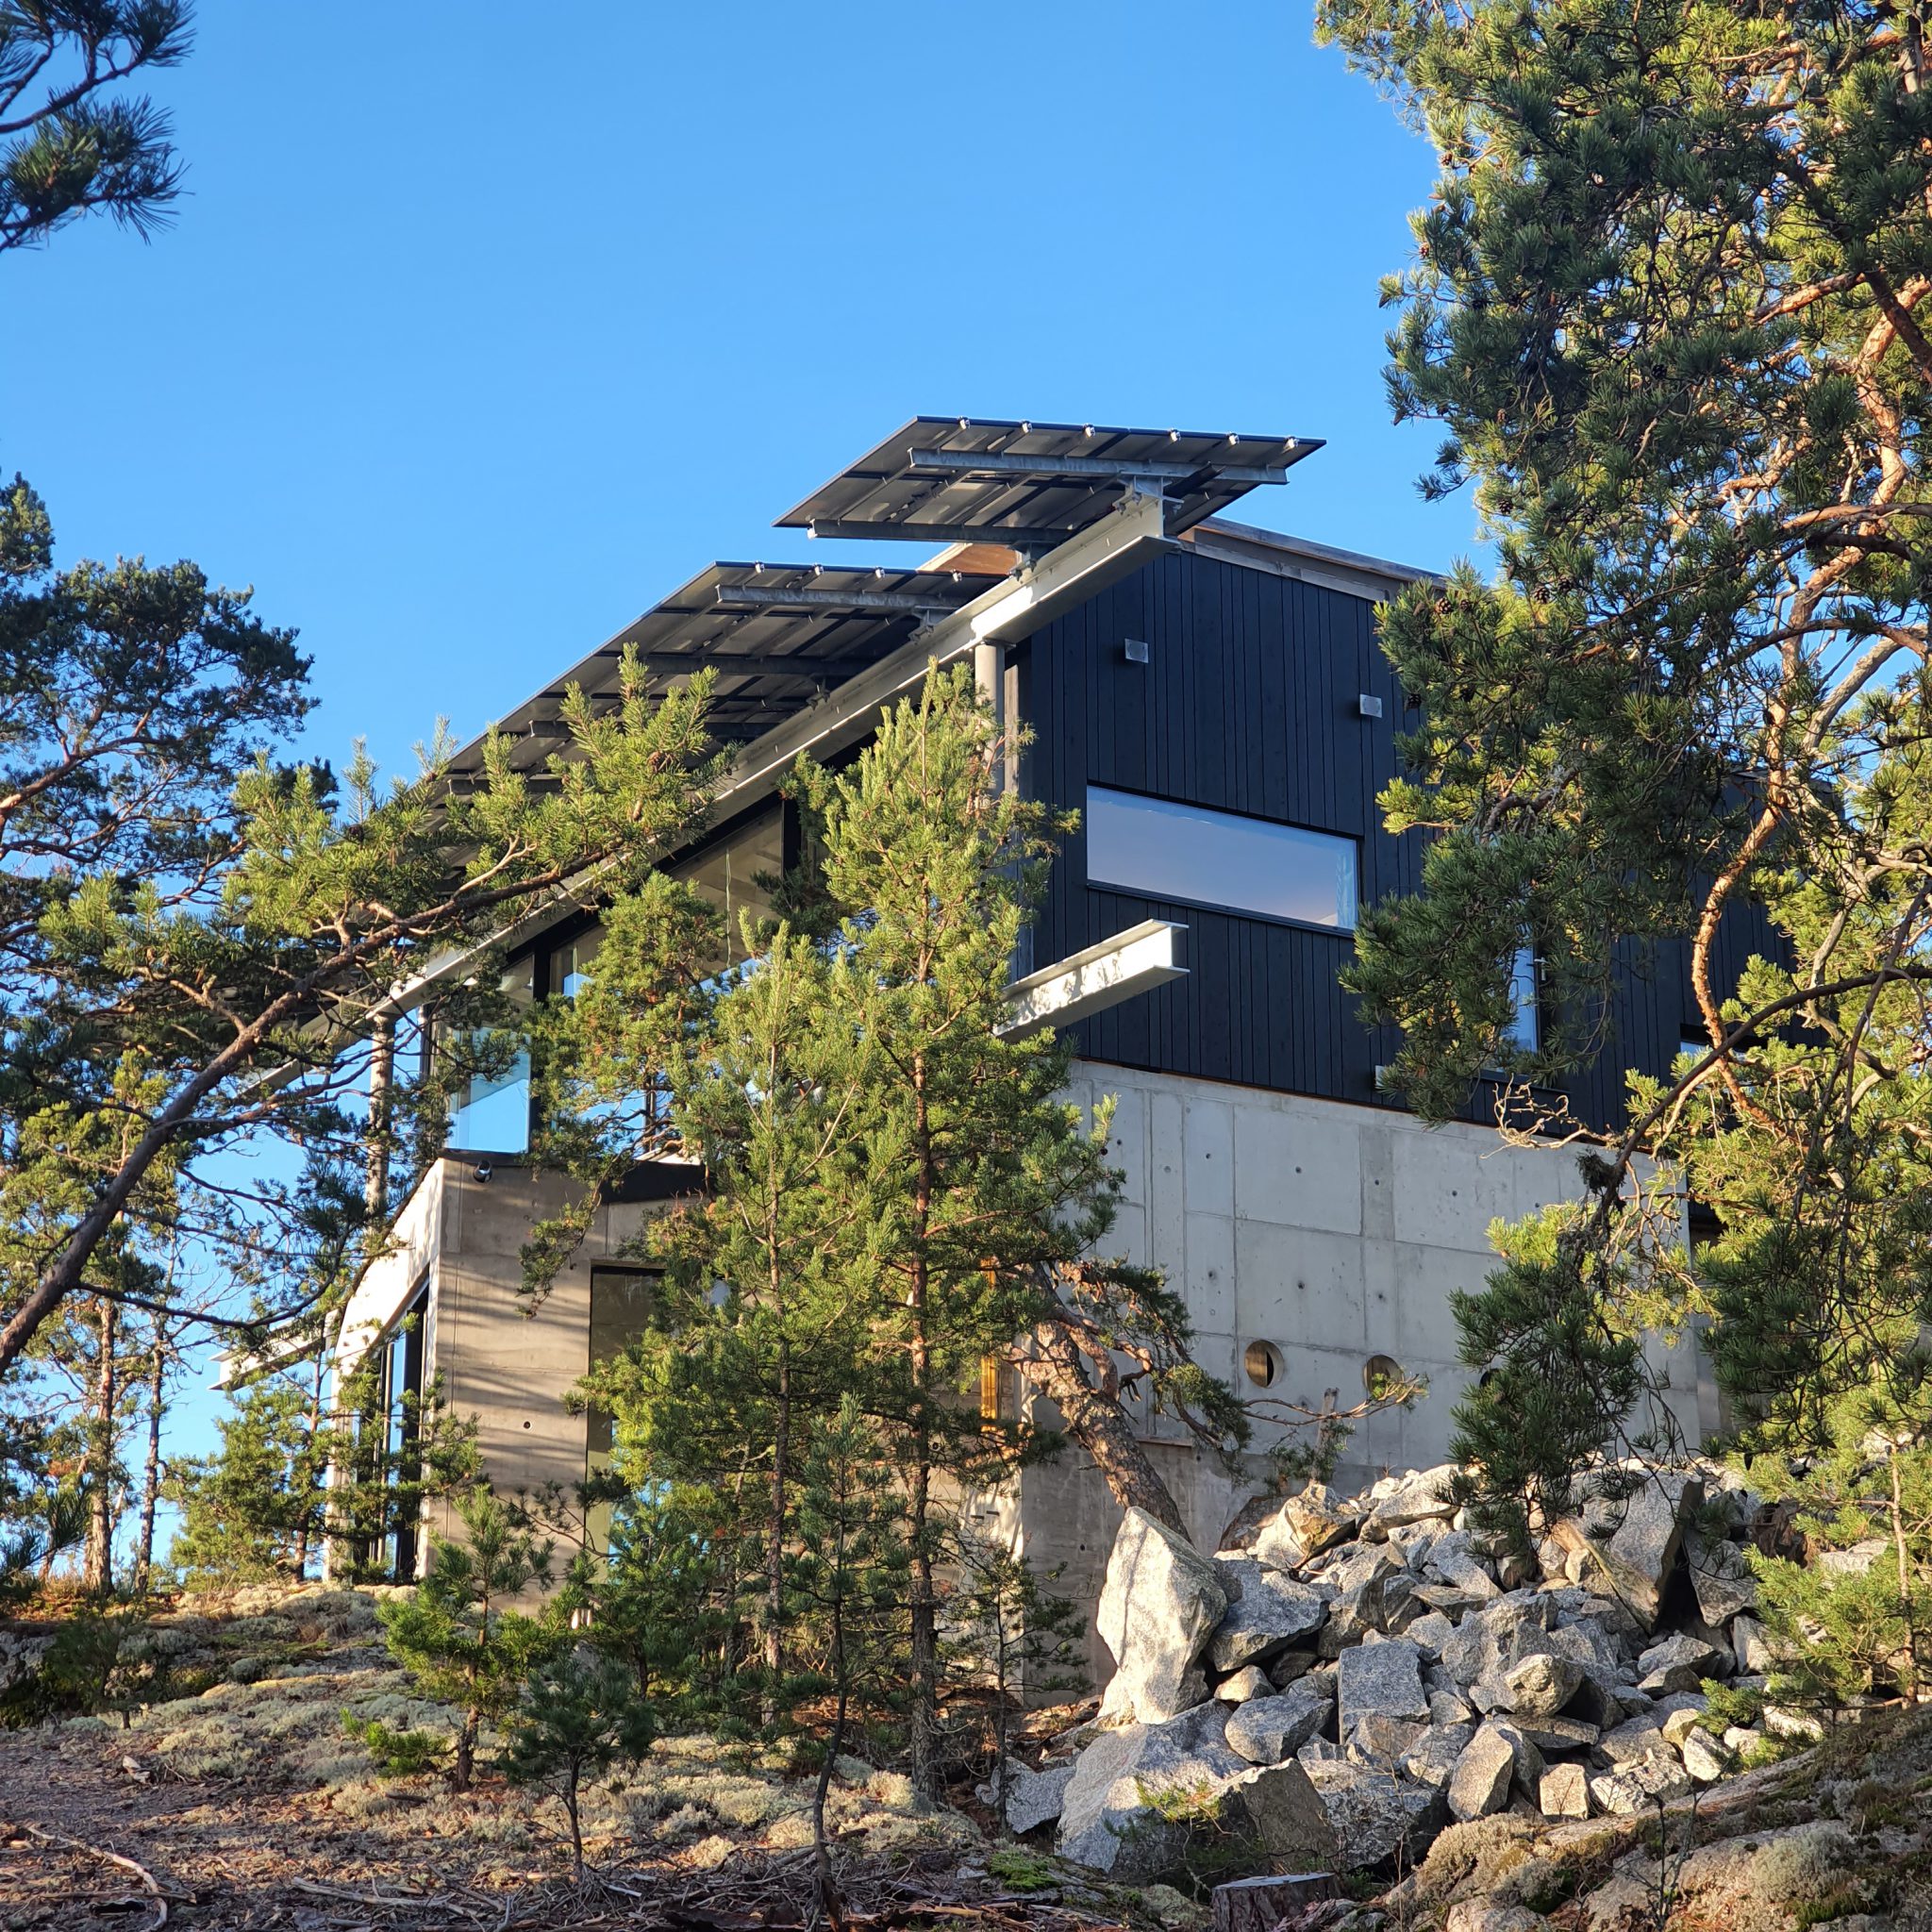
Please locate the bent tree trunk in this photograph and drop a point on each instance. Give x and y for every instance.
(1102, 1428)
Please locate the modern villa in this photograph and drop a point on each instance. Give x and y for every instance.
(1211, 698)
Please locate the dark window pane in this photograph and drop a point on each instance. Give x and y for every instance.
(1164, 850)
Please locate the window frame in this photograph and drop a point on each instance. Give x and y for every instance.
(1281, 919)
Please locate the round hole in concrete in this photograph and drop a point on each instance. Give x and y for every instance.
(1380, 1373)
(1262, 1362)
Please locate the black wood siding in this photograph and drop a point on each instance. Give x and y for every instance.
(1248, 703)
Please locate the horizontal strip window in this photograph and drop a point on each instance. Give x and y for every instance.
(1164, 850)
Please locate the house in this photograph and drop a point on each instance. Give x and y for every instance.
(1211, 697)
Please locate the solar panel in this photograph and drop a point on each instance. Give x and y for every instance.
(963, 479)
(777, 634)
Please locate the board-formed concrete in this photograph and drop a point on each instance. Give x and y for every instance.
(1335, 1233)
(508, 1359)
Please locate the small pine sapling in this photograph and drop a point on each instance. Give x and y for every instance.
(849, 1576)
(454, 1636)
(1014, 1637)
(576, 1718)
(1857, 1620)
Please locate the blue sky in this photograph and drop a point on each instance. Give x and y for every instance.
(481, 328)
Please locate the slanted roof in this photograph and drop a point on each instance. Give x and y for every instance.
(778, 635)
(1032, 485)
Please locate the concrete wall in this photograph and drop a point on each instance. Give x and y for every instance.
(1334, 1232)
(505, 1360)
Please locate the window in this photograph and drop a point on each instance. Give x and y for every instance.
(494, 1115)
(386, 1437)
(1524, 1032)
(572, 961)
(728, 874)
(1163, 850)
(621, 1303)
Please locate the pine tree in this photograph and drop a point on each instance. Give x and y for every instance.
(247, 1511)
(454, 1634)
(849, 1571)
(75, 145)
(1666, 307)
(1014, 1634)
(974, 1181)
(576, 1718)
(653, 1602)
(1855, 1619)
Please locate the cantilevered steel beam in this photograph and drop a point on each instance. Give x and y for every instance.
(748, 664)
(1095, 979)
(939, 533)
(1104, 469)
(765, 597)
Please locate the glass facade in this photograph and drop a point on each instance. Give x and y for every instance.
(1525, 1033)
(728, 874)
(494, 1115)
(1161, 849)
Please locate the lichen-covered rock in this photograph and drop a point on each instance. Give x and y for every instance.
(1486, 1915)
(1244, 1686)
(1559, 1733)
(1373, 1815)
(1383, 1680)
(1304, 1526)
(1563, 1791)
(1765, 1881)
(1751, 1646)
(1422, 1495)
(1720, 1577)
(1035, 1797)
(1269, 1729)
(1274, 1812)
(1160, 1604)
(1651, 1521)
(1680, 1662)
(1480, 1782)
(1705, 1758)
(1383, 1741)
(1109, 1815)
(1432, 1761)
(1542, 1684)
(1267, 1614)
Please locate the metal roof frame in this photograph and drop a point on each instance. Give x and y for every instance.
(777, 635)
(1032, 486)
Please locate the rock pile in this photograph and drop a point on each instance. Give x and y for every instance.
(1365, 1671)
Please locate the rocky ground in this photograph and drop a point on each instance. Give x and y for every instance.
(241, 1803)
(1362, 1687)
(1351, 1688)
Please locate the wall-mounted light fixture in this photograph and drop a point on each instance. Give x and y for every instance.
(1135, 649)
(1369, 705)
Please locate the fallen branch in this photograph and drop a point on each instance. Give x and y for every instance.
(140, 1871)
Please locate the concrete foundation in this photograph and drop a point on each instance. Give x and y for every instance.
(503, 1357)
(1333, 1233)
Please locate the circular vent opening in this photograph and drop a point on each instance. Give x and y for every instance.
(1262, 1361)
(1380, 1373)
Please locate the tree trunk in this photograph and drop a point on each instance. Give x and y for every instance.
(774, 1551)
(100, 1518)
(1054, 1365)
(151, 1475)
(1910, 1686)
(466, 1751)
(925, 1660)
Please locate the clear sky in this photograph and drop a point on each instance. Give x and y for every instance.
(482, 327)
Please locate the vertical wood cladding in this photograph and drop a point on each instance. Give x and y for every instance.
(1248, 702)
